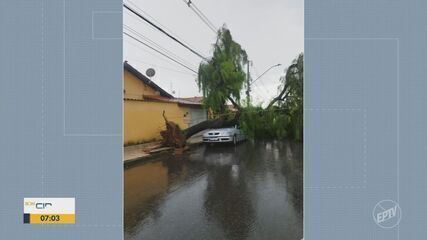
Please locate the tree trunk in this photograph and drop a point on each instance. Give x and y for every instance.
(280, 97)
(174, 137)
(216, 123)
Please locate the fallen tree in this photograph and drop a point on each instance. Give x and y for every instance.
(173, 136)
(215, 123)
(221, 79)
(282, 118)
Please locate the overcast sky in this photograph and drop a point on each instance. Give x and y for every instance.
(271, 32)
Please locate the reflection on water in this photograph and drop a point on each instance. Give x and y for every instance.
(252, 191)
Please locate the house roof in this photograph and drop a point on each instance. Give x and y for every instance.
(164, 96)
(198, 100)
(180, 101)
(158, 98)
(146, 80)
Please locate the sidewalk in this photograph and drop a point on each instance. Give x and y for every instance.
(146, 150)
(138, 151)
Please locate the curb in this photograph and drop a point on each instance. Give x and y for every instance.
(147, 158)
(134, 161)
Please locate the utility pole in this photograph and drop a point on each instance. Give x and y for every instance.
(248, 86)
(249, 82)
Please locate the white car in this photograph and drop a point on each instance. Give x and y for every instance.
(223, 135)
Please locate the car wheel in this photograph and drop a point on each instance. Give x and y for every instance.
(234, 140)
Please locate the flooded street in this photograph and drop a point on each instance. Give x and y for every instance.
(251, 191)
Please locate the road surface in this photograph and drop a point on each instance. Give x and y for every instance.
(251, 191)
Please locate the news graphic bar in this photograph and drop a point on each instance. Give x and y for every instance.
(49, 211)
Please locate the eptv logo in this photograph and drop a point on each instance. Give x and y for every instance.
(387, 214)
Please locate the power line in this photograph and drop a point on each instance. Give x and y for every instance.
(200, 11)
(158, 46)
(162, 67)
(261, 81)
(200, 14)
(159, 23)
(131, 42)
(163, 31)
(262, 74)
(165, 27)
(210, 27)
(165, 55)
(156, 50)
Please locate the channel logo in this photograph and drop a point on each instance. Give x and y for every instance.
(387, 214)
(49, 211)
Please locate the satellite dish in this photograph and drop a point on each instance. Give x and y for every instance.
(150, 72)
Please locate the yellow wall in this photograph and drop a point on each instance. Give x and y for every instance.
(134, 88)
(143, 120)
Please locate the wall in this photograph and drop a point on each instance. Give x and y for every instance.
(134, 88)
(143, 120)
